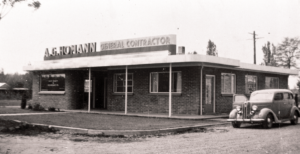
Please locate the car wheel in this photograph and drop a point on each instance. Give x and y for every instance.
(236, 124)
(294, 121)
(268, 123)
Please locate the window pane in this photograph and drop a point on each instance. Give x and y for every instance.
(129, 89)
(163, 82)
(129, 77)
(120, 89)
(154, 82)
(129, 83)
(178, 82)
(53, 82)
(250, 84)
(227, 84)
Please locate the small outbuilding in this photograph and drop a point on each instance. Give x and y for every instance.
(146, 75)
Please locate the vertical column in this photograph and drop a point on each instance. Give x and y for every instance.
(170, 91)
(89, 105)
(126, 84)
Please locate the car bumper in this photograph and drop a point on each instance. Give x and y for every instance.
(246, 120)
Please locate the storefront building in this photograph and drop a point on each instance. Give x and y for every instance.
(159, 78)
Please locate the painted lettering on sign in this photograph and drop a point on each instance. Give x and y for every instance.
(111, 45)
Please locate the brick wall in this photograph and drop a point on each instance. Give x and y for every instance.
(72, 99)
(224, 103)
(143, 102)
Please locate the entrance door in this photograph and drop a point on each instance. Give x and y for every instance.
(100, 96)
(209, 106)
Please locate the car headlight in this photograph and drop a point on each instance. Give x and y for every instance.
(238, 108)
(254, 107)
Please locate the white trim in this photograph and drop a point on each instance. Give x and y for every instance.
(170, 90)
(214, 92)
(126, 86)
(89, 97)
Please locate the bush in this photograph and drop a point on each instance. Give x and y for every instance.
(29, 106)
(51, 108)
(37, 107)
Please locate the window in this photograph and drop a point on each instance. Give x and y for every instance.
(271, 83)
(278, 96)
(250, 83)
(227, 83)
(291, 96)
(159, 82)
(52, 82)
(119, 83)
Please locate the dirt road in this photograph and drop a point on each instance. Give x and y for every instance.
(223, 139)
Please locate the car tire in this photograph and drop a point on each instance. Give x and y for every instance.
(236, 124)
(294, 121)
(268, 123)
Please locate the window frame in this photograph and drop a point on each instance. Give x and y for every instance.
(233, 86)
(51, 92)
(246, 83)
(115, 85)
(271, 77)
(150, 83)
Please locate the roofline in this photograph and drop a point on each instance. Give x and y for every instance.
(147, 60)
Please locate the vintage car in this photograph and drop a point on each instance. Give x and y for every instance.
(265, 107)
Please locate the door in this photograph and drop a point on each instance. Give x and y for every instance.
(286, 107)
(209, 106)
(278, 103)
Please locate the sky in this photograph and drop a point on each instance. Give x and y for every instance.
(25, 33)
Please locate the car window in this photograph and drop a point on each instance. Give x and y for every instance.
(278, 96)
(285, 95)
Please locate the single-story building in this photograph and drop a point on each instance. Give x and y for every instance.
(159, 78)
(7, 92)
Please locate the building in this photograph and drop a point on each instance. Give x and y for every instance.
(159, 80)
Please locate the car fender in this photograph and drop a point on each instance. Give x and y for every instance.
(293, 110)
(232, 114)
(265, 111)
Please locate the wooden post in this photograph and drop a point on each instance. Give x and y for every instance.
(170, 91)
(89, 105)
(254, 47)
(126, 84)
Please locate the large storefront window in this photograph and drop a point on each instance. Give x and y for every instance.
(271, 83)
(53, 82)
(227, 83)
(119, 82)
(159, 82)
(250, 83)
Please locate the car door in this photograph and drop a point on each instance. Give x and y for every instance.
(277, 101)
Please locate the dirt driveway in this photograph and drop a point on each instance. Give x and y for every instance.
(222, 139)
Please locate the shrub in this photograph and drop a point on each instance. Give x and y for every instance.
(51, 108)
(37, 107)
(29, 106)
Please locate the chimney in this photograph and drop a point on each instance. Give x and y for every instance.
(181, 50)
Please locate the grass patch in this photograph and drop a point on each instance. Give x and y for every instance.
(106, 122)
(16, 110)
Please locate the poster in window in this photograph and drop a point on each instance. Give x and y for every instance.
(53, 82)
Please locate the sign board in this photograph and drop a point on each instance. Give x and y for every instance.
(111, 45)
(86, 86)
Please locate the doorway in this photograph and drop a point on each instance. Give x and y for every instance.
(209, 106)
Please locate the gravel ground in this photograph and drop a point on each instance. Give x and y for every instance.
(223, 139)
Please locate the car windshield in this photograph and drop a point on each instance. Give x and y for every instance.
(261, 97)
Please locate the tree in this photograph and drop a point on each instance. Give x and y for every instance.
(269, 58)
(287, 52)
(211, 49)
(7, 5)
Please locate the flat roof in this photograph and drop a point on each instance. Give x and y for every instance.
(149, 59)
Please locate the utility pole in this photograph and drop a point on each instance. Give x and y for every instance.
(254, 42)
